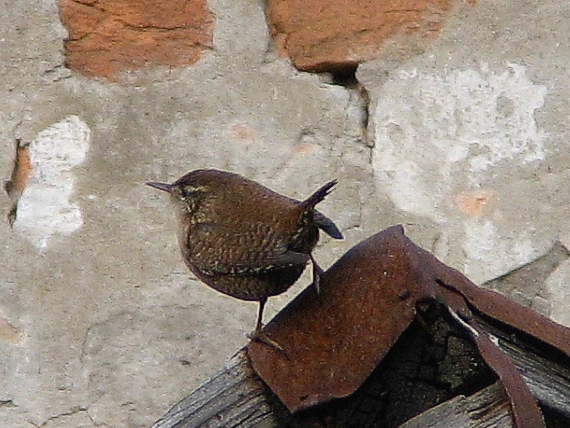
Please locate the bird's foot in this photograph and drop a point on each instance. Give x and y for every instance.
(262, 337)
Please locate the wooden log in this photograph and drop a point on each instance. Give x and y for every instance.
(237, 397)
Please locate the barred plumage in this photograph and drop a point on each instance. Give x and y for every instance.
(243, 239)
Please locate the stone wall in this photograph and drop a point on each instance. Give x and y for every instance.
(449, 117)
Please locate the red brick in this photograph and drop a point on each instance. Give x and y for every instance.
(107, 37)
(320, 35)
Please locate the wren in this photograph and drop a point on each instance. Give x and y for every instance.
(243, 239)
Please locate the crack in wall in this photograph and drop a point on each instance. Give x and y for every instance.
(357, 116)
(359, 97)
(15, 185)
(71, 412)
(8, 403)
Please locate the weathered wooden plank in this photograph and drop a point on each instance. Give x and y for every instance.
(234, 397)
(486, 408)
(548, 380)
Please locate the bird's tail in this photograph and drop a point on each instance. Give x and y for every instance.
(319, 195)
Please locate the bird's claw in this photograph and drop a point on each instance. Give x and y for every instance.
(262, 337)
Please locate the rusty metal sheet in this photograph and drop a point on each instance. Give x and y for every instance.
(368, 298)
(462, 297)
(333, 341)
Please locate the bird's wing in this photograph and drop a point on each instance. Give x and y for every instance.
(253, 248)
(327, 225)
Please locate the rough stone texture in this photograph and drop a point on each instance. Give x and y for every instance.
(110, 36)
(104, 326)
(320, 35)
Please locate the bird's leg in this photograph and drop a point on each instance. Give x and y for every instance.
(259, 323)
(259, 334)
(317, 273)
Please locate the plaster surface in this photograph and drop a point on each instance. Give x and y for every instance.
(463, 140)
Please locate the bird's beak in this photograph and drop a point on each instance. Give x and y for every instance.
(165, 187)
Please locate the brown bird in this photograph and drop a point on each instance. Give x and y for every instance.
(243, 239)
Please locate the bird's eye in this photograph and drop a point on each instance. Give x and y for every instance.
(190, 191)
(187, 192)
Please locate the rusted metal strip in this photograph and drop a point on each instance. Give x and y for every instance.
(500, 308)
(526, 413)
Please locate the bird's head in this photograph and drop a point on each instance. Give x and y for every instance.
(185, 196)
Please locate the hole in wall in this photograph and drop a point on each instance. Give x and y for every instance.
(345, 76)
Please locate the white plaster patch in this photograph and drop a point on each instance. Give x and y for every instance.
(441, 135)
(431, 128)
(489, 251)
(45, 210)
